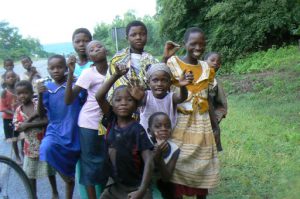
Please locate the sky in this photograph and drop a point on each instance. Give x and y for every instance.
(53, 21)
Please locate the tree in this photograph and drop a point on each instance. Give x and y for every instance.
(12, 44)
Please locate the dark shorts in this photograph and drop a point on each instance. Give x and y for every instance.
(9, 129)
(93, 158)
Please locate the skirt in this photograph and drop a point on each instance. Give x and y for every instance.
(93, 158)
(197, 165)
(34, 168)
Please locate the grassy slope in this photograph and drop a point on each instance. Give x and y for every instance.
(261, 135)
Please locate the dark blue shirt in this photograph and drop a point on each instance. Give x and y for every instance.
(126, 146)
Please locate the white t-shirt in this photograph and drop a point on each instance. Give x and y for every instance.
(135, 62)
(91, 80)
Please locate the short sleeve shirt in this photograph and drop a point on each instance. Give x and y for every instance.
(128, 144)
(90, 114)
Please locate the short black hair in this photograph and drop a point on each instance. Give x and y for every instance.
(58, 57)
(26, 84)
(84, 31)
(207, 55)
(152, 117)
(8, 60)
(26, 57)
(135, 23)
(191, 30)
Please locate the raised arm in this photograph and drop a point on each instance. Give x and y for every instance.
(71, 93)
(103, 90)
(185, 79)
(169, 50)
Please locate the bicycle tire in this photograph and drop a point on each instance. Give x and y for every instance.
(13, 165)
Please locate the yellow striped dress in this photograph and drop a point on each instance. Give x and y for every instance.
(197, 165)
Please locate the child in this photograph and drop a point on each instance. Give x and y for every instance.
(8, 65)
(80, 38)
(134, 56)
(31, 74)
(165, 151)
(93, 147)
(60, 147)
(217, 94)
(159, 99)
(129, 146)
(197, 168)
(33, 129)
(8, 104)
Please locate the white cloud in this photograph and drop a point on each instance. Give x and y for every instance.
(54, 21)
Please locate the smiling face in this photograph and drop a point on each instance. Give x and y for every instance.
(161, 127)
(195, 45)
(160, 82)
(24, 94)
(96, 51)
(57, 68)
(214, 60)
(80, 42)
(123, 103)
(137, 38)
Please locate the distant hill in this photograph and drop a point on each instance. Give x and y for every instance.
(59, 48)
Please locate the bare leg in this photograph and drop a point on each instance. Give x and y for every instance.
(69, 189)
(91, 192)
(33, 184)
(16, 150)
(22, 147)
(52, 181)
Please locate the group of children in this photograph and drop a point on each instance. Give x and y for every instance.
(126, 123)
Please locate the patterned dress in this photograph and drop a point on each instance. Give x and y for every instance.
(33, 138)
(197, 166)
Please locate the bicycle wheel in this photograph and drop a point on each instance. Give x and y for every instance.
(13, 181)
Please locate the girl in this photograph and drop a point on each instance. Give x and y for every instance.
(80, 38)
(197, 168)
(159, 99)
(218, 97)
(129, 146)
(8, 104)
(60, 146)
(33, 128)
(93, 148)
(165, 151)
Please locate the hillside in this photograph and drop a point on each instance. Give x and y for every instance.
(261, 134)
(59, 48)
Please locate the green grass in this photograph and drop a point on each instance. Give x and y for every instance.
(261, 134)
(264, 60)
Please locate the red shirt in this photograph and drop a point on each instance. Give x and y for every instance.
(8, 101)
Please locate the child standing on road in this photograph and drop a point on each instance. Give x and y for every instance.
(60, 147)
(80, 39)
(25, 120)
(93, 148)
(197, 167)
(217, 95)
(129, 147)
(8, 104)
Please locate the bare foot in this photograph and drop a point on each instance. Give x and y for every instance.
(55, 196)
(19, 161)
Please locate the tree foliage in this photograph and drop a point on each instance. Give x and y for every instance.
(13, 45)
(232, 27)
(103, 33)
